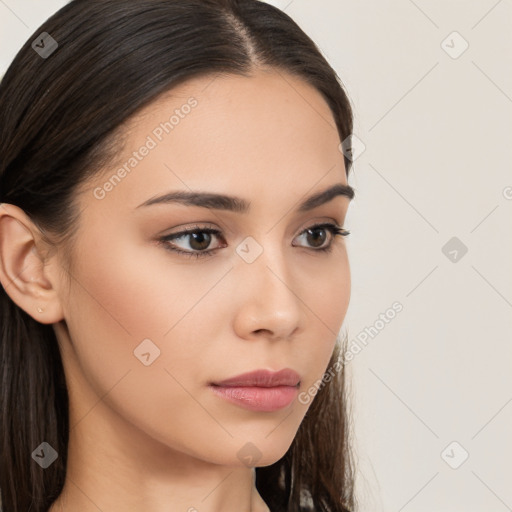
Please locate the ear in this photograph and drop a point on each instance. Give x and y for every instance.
(29, 280)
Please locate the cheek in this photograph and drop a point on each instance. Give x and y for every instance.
(326, 299)
(135, 291)
(123, 297)
(118, 299)
(325, 288)
(116, 302)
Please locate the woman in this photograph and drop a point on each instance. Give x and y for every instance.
(172, 187)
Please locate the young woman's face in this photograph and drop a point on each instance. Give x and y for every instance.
(149, 329)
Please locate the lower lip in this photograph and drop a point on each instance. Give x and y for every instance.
(258, 398)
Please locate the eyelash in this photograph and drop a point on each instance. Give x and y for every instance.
(332, 228)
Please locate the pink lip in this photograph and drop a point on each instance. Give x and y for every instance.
(262, 379)
(261, 390)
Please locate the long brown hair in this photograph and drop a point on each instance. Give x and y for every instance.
(59, 120)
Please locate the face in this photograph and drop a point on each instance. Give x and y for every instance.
(149, 328)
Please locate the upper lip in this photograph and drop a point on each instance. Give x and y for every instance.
(263, 378)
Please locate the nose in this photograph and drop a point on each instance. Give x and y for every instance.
(267, 303)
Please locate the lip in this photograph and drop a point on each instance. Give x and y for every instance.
(262, 379)
(260, 390)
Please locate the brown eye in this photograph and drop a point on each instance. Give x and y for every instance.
(316, 235)
(199, 240)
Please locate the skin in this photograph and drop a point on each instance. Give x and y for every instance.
(143, 437)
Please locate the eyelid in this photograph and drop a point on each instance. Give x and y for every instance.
(209, 227)
(333, 227)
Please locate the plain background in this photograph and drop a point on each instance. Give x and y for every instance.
(432, 386)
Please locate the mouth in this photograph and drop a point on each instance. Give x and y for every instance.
(262, 379)
(260, 390)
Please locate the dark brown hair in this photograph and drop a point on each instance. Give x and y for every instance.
(60, 120)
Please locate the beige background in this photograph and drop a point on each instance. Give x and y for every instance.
(436, 124)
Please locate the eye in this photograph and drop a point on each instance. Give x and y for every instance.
(199, 239)
(318, 241)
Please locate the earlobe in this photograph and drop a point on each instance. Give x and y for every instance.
(23, 273)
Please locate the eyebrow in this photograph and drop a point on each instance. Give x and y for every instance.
(236, 204)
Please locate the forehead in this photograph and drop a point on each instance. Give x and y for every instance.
(265, 134)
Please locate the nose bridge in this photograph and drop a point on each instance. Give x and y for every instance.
(268, 299)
